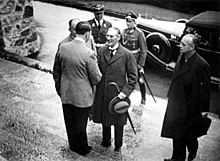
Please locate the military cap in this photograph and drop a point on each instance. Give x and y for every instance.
(98, 8)
(131, 15)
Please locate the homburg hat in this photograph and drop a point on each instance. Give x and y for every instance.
(98, 8)
(119, 106)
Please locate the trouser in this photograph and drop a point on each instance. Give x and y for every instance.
(118, 133)
(179, 148)
(76, 120)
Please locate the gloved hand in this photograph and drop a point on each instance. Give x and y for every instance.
(140, 69)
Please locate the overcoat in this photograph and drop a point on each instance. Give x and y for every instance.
(121, 69)
(188, 96)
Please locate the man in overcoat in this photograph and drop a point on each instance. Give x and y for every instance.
(188, 97)
(75, 72)
(117, 64)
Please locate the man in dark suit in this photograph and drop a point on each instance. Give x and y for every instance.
(188, 97)
(117, 64)
(99, 25)
(75, 72)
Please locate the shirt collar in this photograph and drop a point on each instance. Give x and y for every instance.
(80, 39)
(114, 47)
(101, 22)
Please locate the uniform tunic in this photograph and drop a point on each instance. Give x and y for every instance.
(134, 40)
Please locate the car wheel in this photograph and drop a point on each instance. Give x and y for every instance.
(159, 46)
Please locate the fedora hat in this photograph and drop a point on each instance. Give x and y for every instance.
(119, 106)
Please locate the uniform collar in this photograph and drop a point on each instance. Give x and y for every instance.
(97, 22)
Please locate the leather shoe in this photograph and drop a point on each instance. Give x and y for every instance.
(117, 149)
(143, 101)
(191, 156)
(106, 144)
(168, 159)
(82, 152)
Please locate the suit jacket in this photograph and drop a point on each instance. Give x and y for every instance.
(188, 96)
(99, 35)
(121, 69)
(75, 71)
(90, 43)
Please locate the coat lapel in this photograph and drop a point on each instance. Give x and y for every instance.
(117, 55)
(182, 69)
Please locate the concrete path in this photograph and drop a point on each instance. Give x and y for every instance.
(32, 125)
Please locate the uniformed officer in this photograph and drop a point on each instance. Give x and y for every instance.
(99, 25)
(134, 40)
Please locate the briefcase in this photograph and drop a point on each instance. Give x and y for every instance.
(203, 126)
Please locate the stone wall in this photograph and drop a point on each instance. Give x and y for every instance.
(17, 27)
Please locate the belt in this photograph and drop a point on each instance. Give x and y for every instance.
(135, 51)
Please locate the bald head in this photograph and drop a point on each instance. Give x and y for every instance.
(72, 26)
(191, 40)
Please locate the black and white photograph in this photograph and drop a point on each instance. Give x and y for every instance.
(109, 80)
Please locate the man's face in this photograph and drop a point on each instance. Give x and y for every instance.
(112, 37)
(186, 45)
(72, 29)
(99, 16)
(130, 23)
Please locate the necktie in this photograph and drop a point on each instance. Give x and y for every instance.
(111, 52)
(99, 25)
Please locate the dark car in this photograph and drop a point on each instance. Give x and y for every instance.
(163, 38)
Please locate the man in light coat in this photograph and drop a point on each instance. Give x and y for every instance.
(75, 72)
(117, 64)
(188, 96)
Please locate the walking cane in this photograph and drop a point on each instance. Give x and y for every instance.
(145, 79)
(129, 118)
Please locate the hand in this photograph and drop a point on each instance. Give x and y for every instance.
(121, 95)
(140, 69)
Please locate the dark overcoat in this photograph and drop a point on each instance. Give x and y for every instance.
(121, 69)
(188, 96)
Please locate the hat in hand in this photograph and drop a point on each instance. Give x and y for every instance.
(119, 106)
(98, 8)
(131, 15)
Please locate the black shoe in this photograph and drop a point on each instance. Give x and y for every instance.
(117, 149)
(106, 144)
(168, 160)
(191, 156)
(82, 152)
(143, 101)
